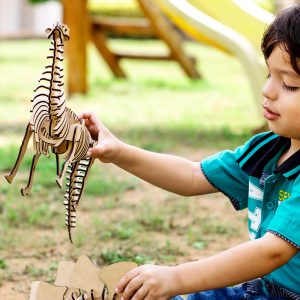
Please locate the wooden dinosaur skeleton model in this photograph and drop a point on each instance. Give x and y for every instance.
(56, 127)
(82, 281)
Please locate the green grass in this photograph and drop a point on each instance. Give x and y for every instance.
(119, 218)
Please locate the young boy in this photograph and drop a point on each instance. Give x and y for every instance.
(263, 175)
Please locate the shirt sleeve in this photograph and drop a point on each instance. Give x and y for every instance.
(286, 221)
(224, 173)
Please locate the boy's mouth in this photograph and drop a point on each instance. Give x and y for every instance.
(269, 114)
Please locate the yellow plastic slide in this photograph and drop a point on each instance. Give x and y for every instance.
(243, 16)
(205, 21)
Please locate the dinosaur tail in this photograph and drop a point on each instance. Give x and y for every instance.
(76, 180)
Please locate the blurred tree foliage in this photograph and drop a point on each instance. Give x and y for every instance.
(38, 1)
(129, 8)
(115, 8)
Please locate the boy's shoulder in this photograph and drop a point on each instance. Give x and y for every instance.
(259, 150)
(262, 137)
(256, 142)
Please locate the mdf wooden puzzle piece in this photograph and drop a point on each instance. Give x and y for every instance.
(112, 274)
(64, 273)
(85, 276)
(44, 291)
(82, 281)
(57, 128)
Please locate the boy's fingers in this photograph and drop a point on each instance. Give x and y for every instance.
(142, 293)
(87, 115)
(96, 151)
(92, 127)
(134, 289)
(126, 279)
(84, 115)
(90, 119)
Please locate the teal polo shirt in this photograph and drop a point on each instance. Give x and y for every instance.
(250, 178)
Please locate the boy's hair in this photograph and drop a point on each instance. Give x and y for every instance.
(284, 31)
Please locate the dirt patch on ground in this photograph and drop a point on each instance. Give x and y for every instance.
(144, 224)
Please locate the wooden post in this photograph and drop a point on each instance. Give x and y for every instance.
(77, 19)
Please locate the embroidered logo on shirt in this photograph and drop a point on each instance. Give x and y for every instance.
(283, 195)
(255, 192)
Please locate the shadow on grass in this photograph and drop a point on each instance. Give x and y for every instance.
(151, 83)
(172, 139)
(169, 140)
(159, 139)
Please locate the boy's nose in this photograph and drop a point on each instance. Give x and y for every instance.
(269, 90)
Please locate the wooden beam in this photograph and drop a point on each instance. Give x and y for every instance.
(132, 55)
(77, 18)
(123, 26)
(148, 56)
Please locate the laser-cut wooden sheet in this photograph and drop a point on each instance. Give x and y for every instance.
(82, 281)
(56, 128)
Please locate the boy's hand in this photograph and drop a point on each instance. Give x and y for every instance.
(92, 123)
(147, 282)
(108, 146)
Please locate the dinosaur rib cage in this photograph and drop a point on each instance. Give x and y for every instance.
(85, 140)
(83, 145)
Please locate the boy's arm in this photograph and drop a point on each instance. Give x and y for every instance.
(239, 264)
(172, 173)
(169, 172)
(247, 261)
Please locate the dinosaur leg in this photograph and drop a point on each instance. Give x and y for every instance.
(22, 151)
(25, 191)
(57, 163)
(61, 177)
(75, 136)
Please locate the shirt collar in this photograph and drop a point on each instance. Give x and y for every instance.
(291, 167)
(255, 165)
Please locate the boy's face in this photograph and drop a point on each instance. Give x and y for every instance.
(281, 95)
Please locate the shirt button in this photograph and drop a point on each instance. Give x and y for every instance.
(270, 205)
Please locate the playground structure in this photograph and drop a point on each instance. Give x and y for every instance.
(155, 24)
(233, 26)
(241, 37)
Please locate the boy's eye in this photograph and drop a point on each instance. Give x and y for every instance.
(290, 88)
